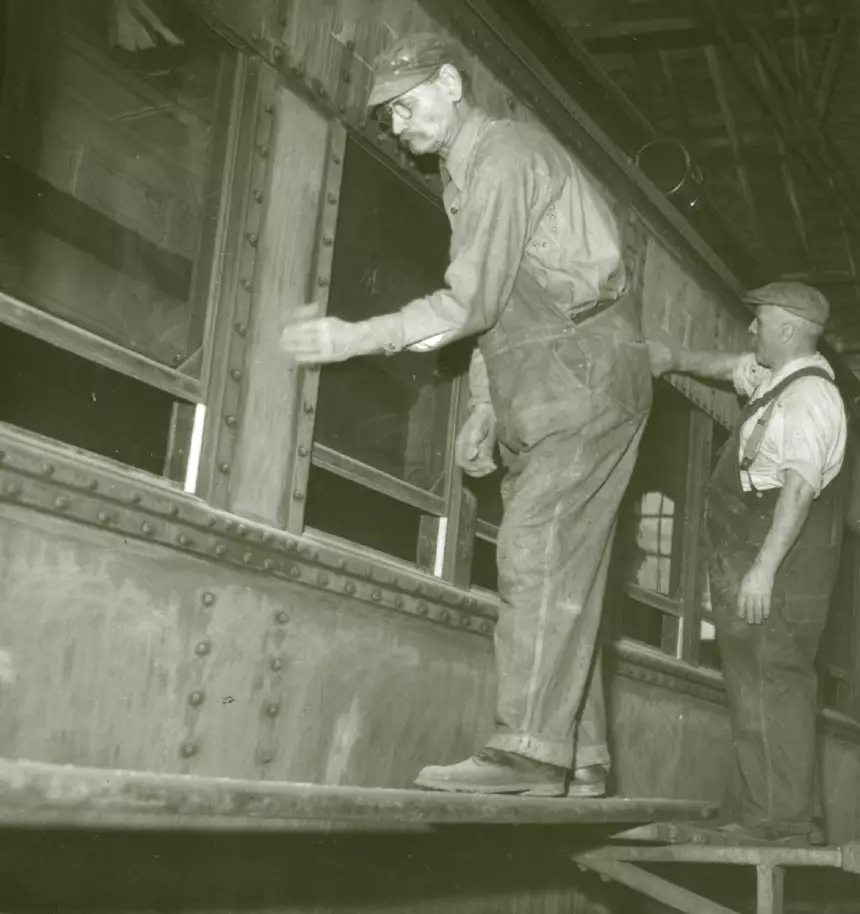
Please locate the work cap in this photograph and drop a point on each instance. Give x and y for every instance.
(794, 297)
(407, 63)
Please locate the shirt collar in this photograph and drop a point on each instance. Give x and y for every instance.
(456, 164)
(807, 361)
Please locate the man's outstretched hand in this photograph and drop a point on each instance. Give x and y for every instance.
(313, 340)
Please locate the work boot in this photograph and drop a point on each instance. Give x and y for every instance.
(495, 771)
(588, 782)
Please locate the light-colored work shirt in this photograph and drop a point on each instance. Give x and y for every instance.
(807, 429)
(516, 200)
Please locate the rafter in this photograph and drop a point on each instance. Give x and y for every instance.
(831, 65)
(717, 78)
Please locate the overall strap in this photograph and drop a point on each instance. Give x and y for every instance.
(769, 400)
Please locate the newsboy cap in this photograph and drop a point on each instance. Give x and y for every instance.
(794, 297)
(407, 63)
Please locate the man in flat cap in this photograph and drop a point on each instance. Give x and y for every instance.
(560, 379)
(774, 527)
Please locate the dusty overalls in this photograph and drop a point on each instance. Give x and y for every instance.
(768, 668)
(571, 400)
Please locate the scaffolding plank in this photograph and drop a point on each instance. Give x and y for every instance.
(36, 793)
(732, 856)
(770, 881)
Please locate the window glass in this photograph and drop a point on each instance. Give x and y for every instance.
(361, 515)
(108, 168)
(649, 542)
(58, 394)
(485, 571)
(390, 412)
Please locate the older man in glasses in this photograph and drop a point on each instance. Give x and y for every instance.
(559, 379)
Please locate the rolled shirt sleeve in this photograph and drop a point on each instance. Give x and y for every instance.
(812, 419)
(505, 200)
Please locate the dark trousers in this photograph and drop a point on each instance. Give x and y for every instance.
(771, 681)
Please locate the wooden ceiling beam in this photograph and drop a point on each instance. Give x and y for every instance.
(717, 78)
(831, 65)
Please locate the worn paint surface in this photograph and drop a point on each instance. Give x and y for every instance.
(121, 654)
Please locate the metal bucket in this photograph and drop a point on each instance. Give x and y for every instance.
(668, 165)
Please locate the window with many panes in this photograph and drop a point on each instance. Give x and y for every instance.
(112, 138)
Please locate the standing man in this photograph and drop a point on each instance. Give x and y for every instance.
(560, 380)
(774, 526)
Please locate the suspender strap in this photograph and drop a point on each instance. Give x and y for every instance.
(769, 401)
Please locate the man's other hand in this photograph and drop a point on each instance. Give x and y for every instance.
(755, 594)
(319, 340)
(474, 447)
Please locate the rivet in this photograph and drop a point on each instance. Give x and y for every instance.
(282, 19)
(203, 648)
(294, 571)
(248, 557)
(241, 329)
(423, 609)
(47, 469)
(321, 91)
(322, 579)
(332, 198)
(376, 595)
(263, 151)
(135, 498)
(342, 563)
(146, 529)
(208, 599)
(444, 616)
(265, 538)
(272, 709)
(177, 358)
(349, 588)
(486, 628)
(267, 758)
(291, 546)
(308, 407)
(465, 621)
(236, 374)
(104, 517)
(189, 750)
(62, 503)
(230, 421)
(241, 530)
(258, 196)
(328, 241)
(93, 484)
(398, 602)
(282, 617)
(247, 285)
(337, 159)
(252, 238)
(268, 564)
(184, 539)
(195, 699)
(174, 510)
(298, 496)
(472, 603)
(303, 451)
(277, 664)
(211, 521)
(322, 281)
(346, 77)
(368, 573)
(269, 108)
(220, 549)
